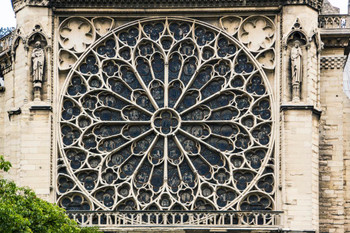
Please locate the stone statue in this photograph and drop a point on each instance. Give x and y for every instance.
(296, 68)
(38, 58)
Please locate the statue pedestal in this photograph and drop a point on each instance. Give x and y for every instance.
(296, 93)
(37, 90)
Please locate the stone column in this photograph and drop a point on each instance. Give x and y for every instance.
(28, 136)
(299, 129)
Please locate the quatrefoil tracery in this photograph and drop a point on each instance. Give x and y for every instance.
(167, 114)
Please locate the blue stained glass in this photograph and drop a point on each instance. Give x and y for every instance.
(95, 82)
(256, 86)
(158, 66)
(158, 93)
(65, 184)
(189, 69)
(242, 142)
(157, 178)
(222, 68)
(107, 49)
(225, 196)
(188, 100)
(237, 161)
(224, 99)
(221, 176)
(242, 102)
(255, 202)
(125, 53)
(128, 168)
(76, 158)
(90, 66)
(106, 114)
(109, 176)
(129, 77)
(188, 176)
(88, 179)
(224, 114)
(119, 88)
(174, 94)
(69, 135)
(134, 114)
(203, 36)
(166, 43)
(219, 143)
(207, 53)
(144, 70)
(213, 87)
(143, 101)
(224, 48)
(110, 68)
(89, 142)
(129, 37)
(243, 65)
(143, 175)
(202, 168)
(154, 30)
(76, 86)
(212, 157)
(70, 110)
(179, 30)
(237, 82)
(243, 179)
(146, 49)
(187, 49)
(173, 150)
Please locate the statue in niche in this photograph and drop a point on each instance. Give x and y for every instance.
(38, 58)
(296, 55)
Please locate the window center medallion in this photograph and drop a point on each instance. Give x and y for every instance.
(166, 121)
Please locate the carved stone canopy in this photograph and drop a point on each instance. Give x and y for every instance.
(317, 4)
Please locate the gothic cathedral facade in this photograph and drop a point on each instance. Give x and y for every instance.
(181, 116)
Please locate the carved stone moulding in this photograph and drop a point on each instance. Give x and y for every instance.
(19, 4)
(5, 64)
(335, 41)
(317, 4)
(332, 62)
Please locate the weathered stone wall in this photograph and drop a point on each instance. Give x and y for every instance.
(299, 131)
(26, 137)
(334, 148)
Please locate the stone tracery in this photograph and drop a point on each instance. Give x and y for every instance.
(169, 115)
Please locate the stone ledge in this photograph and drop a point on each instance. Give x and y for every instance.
(40, 107)
(287, 107)
(316, 4)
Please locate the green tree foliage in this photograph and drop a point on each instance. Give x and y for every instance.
(4, 165)
(22, 211)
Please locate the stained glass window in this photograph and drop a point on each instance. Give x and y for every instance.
(166, 114)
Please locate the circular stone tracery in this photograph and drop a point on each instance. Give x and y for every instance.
(169, 115)
(166, 121)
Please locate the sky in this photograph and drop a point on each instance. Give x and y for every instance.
(7, 17)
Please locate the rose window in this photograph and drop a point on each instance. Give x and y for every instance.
(166, 114)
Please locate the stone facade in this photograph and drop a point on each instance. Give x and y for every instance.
(302, 177)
